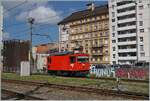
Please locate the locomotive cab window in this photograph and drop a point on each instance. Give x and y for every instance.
(72, 59)
(49, 60)
(83, 59)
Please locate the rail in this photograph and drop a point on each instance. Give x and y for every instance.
(17, 96)
(124, 94)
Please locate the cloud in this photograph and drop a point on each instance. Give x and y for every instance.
(41, 14)
(23, 4)
(13, 7)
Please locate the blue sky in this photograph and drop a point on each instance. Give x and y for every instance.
(46, 13)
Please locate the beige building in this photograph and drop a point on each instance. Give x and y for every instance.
(89, 31)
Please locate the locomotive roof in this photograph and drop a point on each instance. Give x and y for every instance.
(63, 53)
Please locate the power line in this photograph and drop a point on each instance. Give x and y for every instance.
(16, 24)
(41, 19)
(8, 10)
(48, 36)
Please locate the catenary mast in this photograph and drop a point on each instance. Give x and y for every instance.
(1, 34)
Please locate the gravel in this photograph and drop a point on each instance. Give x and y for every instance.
(56, 94)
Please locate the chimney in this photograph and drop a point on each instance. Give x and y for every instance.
(91, 6)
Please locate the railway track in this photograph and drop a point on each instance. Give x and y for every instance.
(13, 95)
(128, 95)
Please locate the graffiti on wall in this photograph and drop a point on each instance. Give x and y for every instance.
(133, 73)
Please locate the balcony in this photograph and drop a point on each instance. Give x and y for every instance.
(126, 27)
(127, 58)
(126, 5)
(127, 50)
(97, 53)
(127, 43)
(126, 13)
(97, 46)
(126, 20)
(99, 62)
(126, 35)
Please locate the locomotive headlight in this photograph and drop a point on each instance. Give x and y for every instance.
(83, 64)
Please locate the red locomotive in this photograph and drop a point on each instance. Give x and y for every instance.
(68, 64)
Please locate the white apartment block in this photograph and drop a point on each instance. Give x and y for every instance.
(130, 31)
(63, 37)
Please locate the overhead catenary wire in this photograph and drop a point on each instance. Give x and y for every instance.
(16, 24)
(39, 20)
(19, 33)
(37, 24)
(48, 36)
(10, 9)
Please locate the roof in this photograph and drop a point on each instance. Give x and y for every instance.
(45, 44)
(85, 13)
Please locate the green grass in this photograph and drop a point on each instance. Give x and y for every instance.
(99, 83)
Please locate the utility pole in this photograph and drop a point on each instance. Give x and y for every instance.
(31, 22)
(1, 36)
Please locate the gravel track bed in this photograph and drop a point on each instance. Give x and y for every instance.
(56, 94)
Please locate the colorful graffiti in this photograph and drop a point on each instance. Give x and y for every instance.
(133, 73)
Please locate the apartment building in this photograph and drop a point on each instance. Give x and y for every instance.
(89, 31)
(129, 31)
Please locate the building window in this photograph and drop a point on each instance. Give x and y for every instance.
(113, 6)
(141, 48)
(141, 23)
(114, 62)
(141, 30)
(141, 7)
(67, 45)
(113, 28)
(113, 41)
(113, 20)
(114, 55)
(86, 51)
(112, 0)
(114, 48)
(96, 43)
(113, 14)
(106, 33)
(141, 16)
(142, 54)
(101, 34)
(95, 26)
(140, 1)
(113, 34)
(141, 39)
(148, 5)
